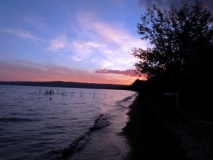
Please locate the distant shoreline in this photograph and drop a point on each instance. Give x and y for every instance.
(66, 84)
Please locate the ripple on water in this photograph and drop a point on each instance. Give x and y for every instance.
(13, 119)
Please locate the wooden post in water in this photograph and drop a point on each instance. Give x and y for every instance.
(50, 94)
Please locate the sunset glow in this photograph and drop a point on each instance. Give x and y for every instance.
(80, 41)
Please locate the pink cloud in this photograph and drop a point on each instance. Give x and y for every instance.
(129, 72)
(57, 43)
(113, 42)
(110, 34)
(83, 49)
(20, 33)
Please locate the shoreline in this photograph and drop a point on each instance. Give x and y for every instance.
(107, 142)
(159, 131)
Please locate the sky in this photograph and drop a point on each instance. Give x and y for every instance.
(88, 41)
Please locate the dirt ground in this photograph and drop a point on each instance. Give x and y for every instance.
(157, 130)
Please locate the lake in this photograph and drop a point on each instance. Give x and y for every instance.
(69, 123)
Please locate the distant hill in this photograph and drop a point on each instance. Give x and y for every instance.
(67, 85)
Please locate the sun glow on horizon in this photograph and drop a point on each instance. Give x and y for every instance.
(83, 41)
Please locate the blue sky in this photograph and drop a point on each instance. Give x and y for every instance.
(71, 40)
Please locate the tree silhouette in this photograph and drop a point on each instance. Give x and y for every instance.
(182, 42)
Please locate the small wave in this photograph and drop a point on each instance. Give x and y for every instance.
(126, 102)
(100, 123)
(32, 93)
(53, 118)
(54, 127)
(16, 120)
(81, 141)
(128, 98)
(25, 114)
(76, 145)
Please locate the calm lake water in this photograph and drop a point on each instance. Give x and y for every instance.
(70, 123)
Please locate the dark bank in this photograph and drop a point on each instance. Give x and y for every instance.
(159, 130)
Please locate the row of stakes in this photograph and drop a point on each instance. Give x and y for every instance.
(52, 92)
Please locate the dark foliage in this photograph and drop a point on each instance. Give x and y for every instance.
(182, 44)
(136, 85)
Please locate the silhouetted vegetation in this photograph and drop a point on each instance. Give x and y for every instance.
(135, 85)
(178, 62)
(181, 45)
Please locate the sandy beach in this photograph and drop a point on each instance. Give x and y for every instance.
(157, 130)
